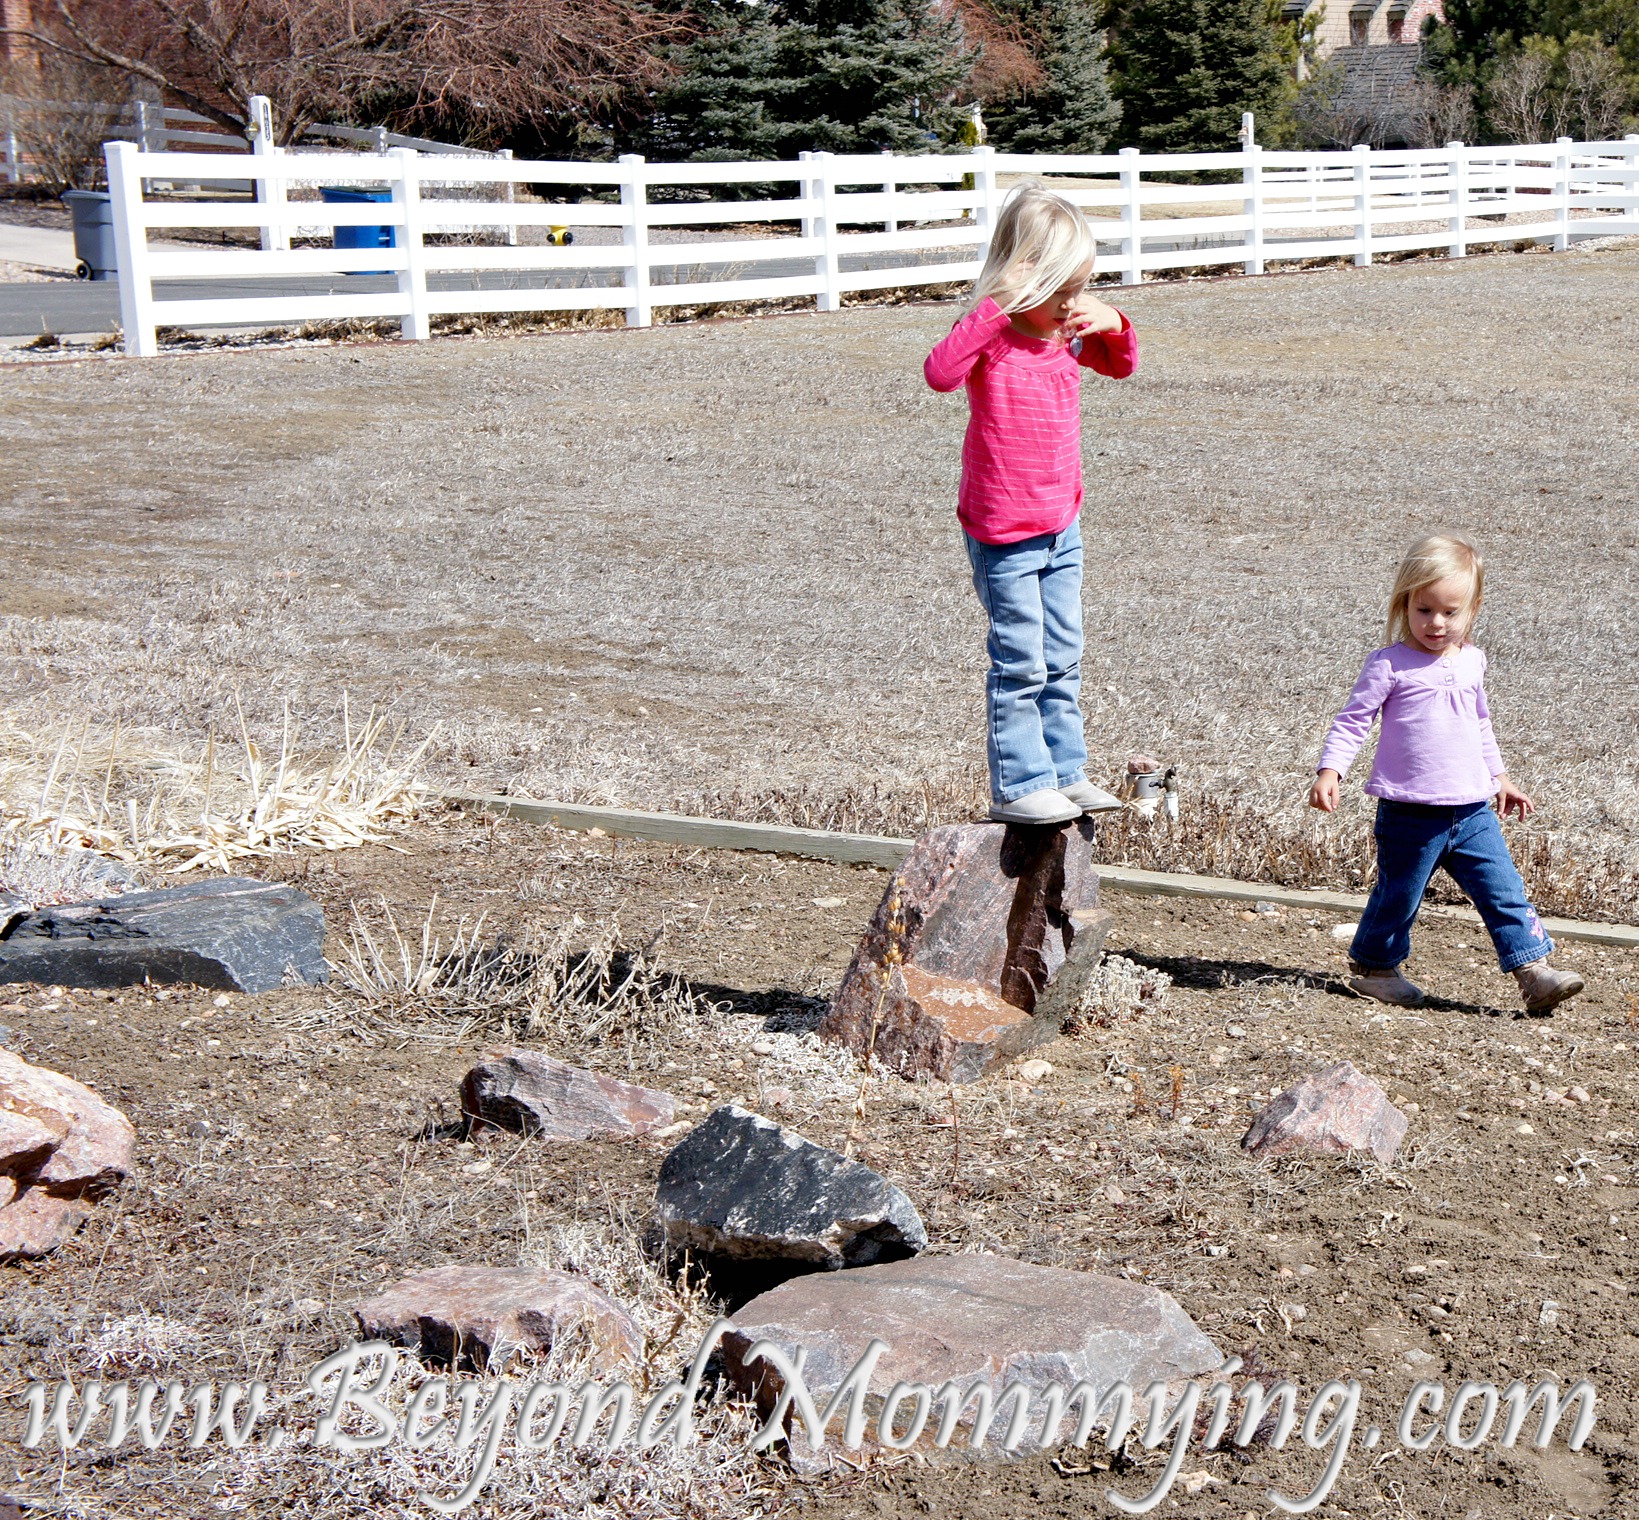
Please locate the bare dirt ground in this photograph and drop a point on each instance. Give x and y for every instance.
(715, 566)
(294, 1155)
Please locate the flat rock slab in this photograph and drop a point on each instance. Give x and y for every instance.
(953, 976)
(61, 1147)
(230, 932)
(478, 1316)
(740, 1188)
(1330, 1113)
(967, 1320)
(537, 1095)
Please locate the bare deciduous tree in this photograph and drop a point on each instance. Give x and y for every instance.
(1525, 106)
(1595, 90)
(62, 112)
(487, 63)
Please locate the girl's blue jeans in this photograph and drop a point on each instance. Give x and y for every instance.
(1031, 593)
(1414, 841)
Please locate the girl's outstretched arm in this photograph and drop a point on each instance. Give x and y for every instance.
(953, 357)
(1350, 727)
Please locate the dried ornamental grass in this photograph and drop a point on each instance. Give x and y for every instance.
(126, 797)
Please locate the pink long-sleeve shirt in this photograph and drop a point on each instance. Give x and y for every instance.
(1436, 744)
(1021, 460)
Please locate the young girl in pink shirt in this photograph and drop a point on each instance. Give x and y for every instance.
(1436, 771)
(1030, 330)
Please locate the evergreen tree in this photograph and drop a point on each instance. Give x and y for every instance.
(770, 80)
(1071, 110)
(1185, 70)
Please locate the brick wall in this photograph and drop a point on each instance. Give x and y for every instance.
(16, 13)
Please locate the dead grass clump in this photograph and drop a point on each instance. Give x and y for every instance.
(126, 796)
(42, 878)
(569, 988)
(1119, 991)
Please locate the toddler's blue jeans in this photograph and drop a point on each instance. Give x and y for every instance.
(1031, 593)
(1415, 840)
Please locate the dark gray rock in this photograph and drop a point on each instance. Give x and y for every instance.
(740, 1189)
(11, 910)
(233, 933)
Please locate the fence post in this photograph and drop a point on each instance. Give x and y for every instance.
(124, 162)
(890, 188)
(1459, 200)
(634, 196)
(825, 266)
(14, 171)
(270, 191)
(1252, 179)
(511, 199)
(1132, 238)
(1363, 204)
(1562, 194)
(412, 278)
(984, 181)
(1630, 184)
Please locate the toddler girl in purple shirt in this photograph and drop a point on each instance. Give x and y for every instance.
(1436, 772)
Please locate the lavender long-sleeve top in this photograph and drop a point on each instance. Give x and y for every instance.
(1436, 744)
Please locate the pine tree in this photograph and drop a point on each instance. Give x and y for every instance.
(770, 80)
(1185, 70)
(1071, 110)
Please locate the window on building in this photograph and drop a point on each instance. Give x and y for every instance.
(1359, 29)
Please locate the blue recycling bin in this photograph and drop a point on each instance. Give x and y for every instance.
(92, 212)
(361, 237)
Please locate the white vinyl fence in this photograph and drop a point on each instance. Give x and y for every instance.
(654, 235)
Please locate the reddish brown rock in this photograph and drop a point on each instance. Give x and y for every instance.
(95, 1152)
(36, 1222)
(60, 1147)
(960, 968)
(968, 1320)
(526, 1091)
(27, 1138)
(479, 1316)
(1332, 1112)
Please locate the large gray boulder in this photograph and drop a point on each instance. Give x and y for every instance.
(970, 958)
(230, 932)
(740, 1189)
(972, 1321)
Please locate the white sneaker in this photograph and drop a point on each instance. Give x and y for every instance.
(1092, 799)
(1045, 806)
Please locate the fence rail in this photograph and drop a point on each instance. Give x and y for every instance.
(819, 227)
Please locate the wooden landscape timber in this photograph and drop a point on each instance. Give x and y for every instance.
(886, 853)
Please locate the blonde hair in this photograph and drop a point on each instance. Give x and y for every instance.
(1041, 243)
(1429, 560)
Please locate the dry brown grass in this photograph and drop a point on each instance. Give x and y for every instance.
(714, 567)
(128, 796)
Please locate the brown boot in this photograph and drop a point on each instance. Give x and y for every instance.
(1544, 988)
(1387, 986)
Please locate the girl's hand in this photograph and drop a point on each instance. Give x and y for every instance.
(1090, 315)
(1323, 794)
(1511, 798)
